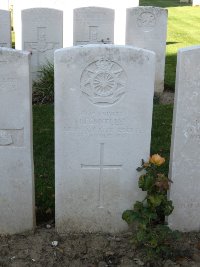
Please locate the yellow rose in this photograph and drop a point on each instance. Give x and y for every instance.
(156, 159)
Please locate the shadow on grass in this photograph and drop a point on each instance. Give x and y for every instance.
(170, 72)
(43, 136)
(171, 43)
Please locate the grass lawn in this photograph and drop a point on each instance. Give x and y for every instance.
(44, 151)
(183, 31)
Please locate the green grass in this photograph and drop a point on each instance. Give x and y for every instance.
(183, 31)
(162, 3)
(44, 151)
(43, 140)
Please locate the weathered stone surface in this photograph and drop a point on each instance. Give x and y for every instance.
(146, 27)
(103, 114)
(93, 25)
(16, 155)
(184, 160)
(42, 34)
(5, 29)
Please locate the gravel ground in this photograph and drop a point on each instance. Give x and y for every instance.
(46, 248)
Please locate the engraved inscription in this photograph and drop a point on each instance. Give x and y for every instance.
(103, 82)
(13, 138)
(146, 21)
(105, 124)
(8, 84)
(101, 166)
(41, 48)
(5, 138)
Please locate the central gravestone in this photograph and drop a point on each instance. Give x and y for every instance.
(93, 25)
(103, 114)
(42, 34)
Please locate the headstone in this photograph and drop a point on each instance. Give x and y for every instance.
(184, 159)
(93, 25)
(103, 114)
(16, 153)
(118, 6)
(196, 2)
(5, 28)
(146, 27)
(42, 34)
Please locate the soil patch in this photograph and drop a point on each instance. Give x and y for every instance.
(46, 248)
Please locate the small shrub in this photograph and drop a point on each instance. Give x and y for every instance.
(152, 233)
(43, 87)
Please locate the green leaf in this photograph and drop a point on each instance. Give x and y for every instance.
(154, 242)
(168, 208)
(155, 200)
(140, 236)
(146, 182)
(129, 216)
(138, 206)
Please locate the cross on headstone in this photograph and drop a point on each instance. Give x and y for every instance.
(101, 166)
(93, 33)
(41, 46)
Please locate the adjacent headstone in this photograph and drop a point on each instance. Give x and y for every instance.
(184, 160)
(103, 114)
(118, 6)
(146, 27)
(16, 154)
(5, 29)
(42, 34)
(93, 25)
(196, 2)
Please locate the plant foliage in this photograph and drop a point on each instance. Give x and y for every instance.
(43, 87)
(152, 233)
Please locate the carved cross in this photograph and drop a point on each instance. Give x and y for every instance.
(101, 166)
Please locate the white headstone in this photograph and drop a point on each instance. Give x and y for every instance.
(5, 28)
(146, 27)
(93, 25)
(196, 2)
(103, 114)
(42, 34)
(67, 7)
(184, 159)
(16, 154)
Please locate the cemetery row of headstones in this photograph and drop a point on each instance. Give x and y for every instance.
(103, 115)
(42, 33)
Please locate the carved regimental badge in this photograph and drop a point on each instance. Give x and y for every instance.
(103, 82)
(146, 21)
